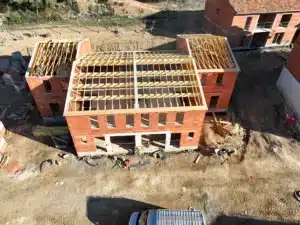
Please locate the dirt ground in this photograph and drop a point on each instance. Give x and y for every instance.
(255, 184)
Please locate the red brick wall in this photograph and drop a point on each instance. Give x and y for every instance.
(220, 12)
(211, 89)
(224, 91)
(294, 62)
(43, 98)
(57, 94)
(80, 126)
(227, 23)
(232, 26)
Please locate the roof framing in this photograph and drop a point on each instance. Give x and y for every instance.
(212, 53)
(134, 81)
(51, 58)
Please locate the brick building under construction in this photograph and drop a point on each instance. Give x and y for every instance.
(118, 102)
(216, 67)
(49, 71)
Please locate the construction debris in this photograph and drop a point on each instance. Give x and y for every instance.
(140, 165)
(224, 154)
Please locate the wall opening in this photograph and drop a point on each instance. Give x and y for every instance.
(191, 135)
(248, 23)
(47, 86)
(285, 20)
(130, 120)
(55, 109)
(278, 38)
(213, 101)
(100, 144)
(154, 141)
(259, 39)
(111, 123)
(123, 142)
(64, 86)
(162, 119)
(219, 80)
(179, 118)
(145, 120)
(94, 122)
(175, 140)
(83, 140)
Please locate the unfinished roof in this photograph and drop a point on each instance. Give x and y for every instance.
(264, 6)
(211, 52)
(53, 58)
(127, 82)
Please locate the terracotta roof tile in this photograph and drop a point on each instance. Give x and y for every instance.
(263, 6)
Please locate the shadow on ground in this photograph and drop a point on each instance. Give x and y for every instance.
(255, 100)
(113, 211)
(171, 23)
(236, 220)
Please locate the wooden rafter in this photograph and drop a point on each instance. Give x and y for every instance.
(132, 80)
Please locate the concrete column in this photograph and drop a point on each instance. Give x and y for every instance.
(138, 140)
(108, 143)
(168, 141)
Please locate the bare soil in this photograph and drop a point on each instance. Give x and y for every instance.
(257, 182)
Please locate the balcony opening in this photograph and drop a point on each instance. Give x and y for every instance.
(278, 38)
(266, 21)
(285, 20)
(248, 23)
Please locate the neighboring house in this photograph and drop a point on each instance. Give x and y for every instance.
(289, 83)
(216, 67)
(48, 73)
(119, 102)
(253, 23)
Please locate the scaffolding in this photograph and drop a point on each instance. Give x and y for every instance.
(120, 82)
(210, 52)
(53, 58)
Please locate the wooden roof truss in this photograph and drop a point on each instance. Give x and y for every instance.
(133, 80)
(211, 52)
(54, 58)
